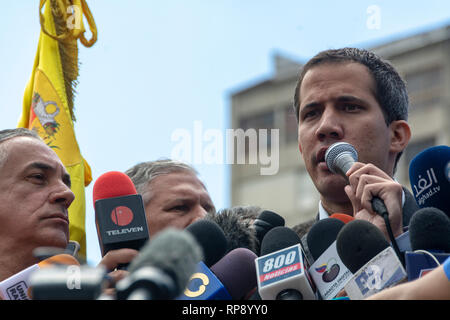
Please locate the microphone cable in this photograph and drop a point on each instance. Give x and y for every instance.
(379, 207)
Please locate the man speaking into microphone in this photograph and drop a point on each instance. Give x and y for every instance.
(352, 95)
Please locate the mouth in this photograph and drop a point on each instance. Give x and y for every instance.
(320, 157)
(58, 216)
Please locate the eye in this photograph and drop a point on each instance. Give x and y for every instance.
(182, 207)
(37, 178)
(208, 208)
(310, 114)
(351, 107)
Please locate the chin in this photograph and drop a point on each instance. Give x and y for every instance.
(333, 188)
(55, 239)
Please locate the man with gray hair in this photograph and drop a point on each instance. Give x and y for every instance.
(172, 193)
(34, 199)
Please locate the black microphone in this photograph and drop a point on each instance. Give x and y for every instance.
(429, 229)
(163, 267)
(328, 272)
(266, 221)
(321, 235)
(236, 230)
(211, 239)
(363, 248)
(119, 213)
(340, 156)
(429, 234)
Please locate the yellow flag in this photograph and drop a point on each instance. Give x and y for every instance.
(48, 99)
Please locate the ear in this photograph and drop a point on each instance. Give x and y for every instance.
(400, 135)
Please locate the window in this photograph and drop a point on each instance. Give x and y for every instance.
(425, 87)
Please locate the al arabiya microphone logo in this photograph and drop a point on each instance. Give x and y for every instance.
(329, 273)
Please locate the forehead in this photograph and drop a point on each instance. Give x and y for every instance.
(181, 183)
(22, 151)
(337, 78)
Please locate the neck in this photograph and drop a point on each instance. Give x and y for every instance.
(337, 207)
(13, 261)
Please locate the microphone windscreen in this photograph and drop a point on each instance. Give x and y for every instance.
(211, 239)
(174, 251)
(429, 229)
(272, 218)
(339, 157)
(322, 234)
(429, 174)
(345, 218)
(358, 242)
(236, 230)
(237, 272)
(278, 238)
(112, 184)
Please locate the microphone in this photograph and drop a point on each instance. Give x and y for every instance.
(364, 250)
(211, 239)
(429, 174)
(17, 287)
(266, 221)
(69, 283)
(328, 272)
(321, 235)
(237, 272)
(204, 283)
(237, 233)
(119, 213)
(231, 278)
(282, 268)
(340, 156)
(429, 232)
(345, 218)
(162, 269)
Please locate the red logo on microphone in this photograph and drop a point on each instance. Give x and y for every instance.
(122, 216)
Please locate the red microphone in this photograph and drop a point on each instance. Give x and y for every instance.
(119, 213)
(345, 218)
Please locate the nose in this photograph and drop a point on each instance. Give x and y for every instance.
(62, 195)
(329, 126)
(198, 213)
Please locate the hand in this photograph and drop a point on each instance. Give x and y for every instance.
(111, 260)
(367, 181)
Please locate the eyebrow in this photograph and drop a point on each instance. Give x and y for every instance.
(339, 99)
(350, 99)
(47, 167)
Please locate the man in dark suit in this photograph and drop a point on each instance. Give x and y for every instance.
(353, 95)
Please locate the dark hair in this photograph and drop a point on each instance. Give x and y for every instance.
(391, 91)
(390, 88)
